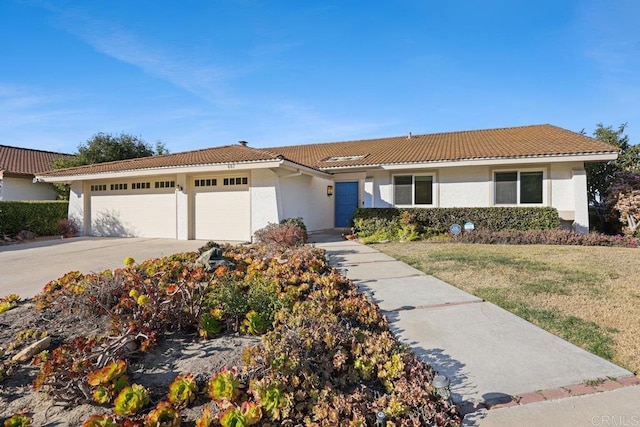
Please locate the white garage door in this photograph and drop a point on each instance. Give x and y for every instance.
(222, 208)
(144, 211)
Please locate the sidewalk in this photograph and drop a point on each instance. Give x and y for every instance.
(494, 359)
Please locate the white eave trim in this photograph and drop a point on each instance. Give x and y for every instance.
(600, 157)
(168, 170)
(218, 167)
(298, 168)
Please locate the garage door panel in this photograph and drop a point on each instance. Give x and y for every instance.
(222, 215)
(134, 215)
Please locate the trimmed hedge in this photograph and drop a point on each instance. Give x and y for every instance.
(544, 237)
(39, 217)
(494, 218)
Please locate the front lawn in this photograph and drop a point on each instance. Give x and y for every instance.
(589, 296)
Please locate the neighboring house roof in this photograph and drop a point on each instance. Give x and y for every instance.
(515, 142)
(207, 156)
(26, 161)
(504, 143)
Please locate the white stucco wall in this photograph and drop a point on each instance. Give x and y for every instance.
(562, 196)
(77, 209)
(183, 216)
(265, 206)
(306, 197)
(581, 201)
(382, 189)
(464, 187)
(18, 188)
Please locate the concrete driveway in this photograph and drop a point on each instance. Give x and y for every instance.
(25, 268)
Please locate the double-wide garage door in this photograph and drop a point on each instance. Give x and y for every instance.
(222, 209)
(219, 209)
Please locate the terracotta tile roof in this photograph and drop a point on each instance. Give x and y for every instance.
(26, 161)
(516, 142)
(525, 141)
(207, 156)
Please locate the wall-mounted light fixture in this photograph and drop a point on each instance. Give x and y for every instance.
(178, 187)
(329, 190)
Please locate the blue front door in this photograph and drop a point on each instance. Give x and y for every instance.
(346, 195)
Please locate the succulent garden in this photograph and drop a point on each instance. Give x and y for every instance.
(301, 346)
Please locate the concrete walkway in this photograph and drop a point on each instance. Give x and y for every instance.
(504, 371)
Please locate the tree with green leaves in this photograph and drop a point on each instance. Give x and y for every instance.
(600, 176)
(104, 147)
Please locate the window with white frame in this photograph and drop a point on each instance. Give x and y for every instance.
(413, 190)
(519, 187)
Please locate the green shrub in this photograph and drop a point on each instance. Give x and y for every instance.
(38, 217)
(438, 220)
(377, 229)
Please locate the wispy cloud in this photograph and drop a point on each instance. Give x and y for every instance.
(204, 80)
(609, 31)
(33, 118)
(20, 106)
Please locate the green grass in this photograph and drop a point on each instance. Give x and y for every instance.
(545, 286)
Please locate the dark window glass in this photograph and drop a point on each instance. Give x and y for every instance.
(531, 187)
(245, 180)
(423, 190)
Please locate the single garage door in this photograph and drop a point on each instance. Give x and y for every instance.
(222, 208)
(133, 209)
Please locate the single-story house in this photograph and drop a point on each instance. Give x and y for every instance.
(229, 192)
(18, 167)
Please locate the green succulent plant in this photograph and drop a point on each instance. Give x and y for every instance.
(130, 400)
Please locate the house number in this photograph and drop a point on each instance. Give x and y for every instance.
(231, 166)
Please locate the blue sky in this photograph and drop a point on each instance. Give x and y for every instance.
(196, 74)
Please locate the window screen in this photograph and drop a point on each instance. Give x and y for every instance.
(402, 190)
(506, 188)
